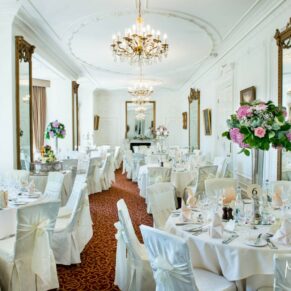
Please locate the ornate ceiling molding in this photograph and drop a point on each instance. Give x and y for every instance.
(80, 24)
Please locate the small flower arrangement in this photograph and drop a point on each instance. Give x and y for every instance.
(259, 125)
(162, 131)
(47, 154)
(55, 129)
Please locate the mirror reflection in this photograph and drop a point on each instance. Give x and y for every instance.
(286, 102)
(140, 128)
(194, 119)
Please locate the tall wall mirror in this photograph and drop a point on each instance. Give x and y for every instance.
(283, 39)
(194, 119)
(140, 128)
(75, 115)
(23, 90)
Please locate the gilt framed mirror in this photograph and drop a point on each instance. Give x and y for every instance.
(194, 119)
(140, 128)
(75, 115)
(283, 39)
(23, 93)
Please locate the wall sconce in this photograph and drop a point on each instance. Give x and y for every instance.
(96, 122)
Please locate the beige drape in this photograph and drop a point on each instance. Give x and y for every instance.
(38, 115)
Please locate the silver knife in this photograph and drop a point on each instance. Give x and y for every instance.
(230, 239)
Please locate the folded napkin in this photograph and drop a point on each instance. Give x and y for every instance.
(230, 225)
(3, 199)
(186, 212)
(191, 200)
(216, 227)
(276, 199)
(229, 195)
(283, 234)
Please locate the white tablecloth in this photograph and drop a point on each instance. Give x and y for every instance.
(40, 181)
(235, 261)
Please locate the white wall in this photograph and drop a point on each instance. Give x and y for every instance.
(252, 62)
(110, 106)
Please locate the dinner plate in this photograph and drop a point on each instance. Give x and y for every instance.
(252, 243)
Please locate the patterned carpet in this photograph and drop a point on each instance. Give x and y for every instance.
(96, 272)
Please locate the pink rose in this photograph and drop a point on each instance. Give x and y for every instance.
(261, 107)
(288, 134)
(237, 137)
(260, 132)
(244, 111)
(56, 124)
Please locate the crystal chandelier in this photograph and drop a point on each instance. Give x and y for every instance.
(140, 43)
(141, 90)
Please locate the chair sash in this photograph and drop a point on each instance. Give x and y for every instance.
(41, 248)
(165, 273)
(121, 272)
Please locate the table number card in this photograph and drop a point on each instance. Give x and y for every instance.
(255, 192)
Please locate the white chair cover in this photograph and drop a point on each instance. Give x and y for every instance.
(128, 163)
(217, 185)
(206, 172)
(71, 165)
(93, 177)
(132, 269)
(105, 177)
(65, 242)
(138, 161)
(85, 230)
(117, 157)
(162, 201)
(172, 266)
(53, 189)
(111, 173)
(27, 261)
(282, 270)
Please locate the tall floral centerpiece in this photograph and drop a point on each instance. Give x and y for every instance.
(257, 126)
(161, 134)
(55, 130)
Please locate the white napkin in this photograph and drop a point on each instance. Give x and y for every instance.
(216, 227)
(3, 199)
(283, 234)
(186, 212)
(230, 225)
(191, 200)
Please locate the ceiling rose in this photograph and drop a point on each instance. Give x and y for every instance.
(140, 43)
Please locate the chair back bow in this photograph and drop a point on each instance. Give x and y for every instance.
(40, 260)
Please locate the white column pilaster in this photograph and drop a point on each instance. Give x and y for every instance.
(8, 10)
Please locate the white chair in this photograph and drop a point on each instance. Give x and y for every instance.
(138, 161)
(92, 176)
(117, 157)
(65, 240)
(26, 260)
(132, 270)
(282, 276)
(221, 163)
(54, 186)
(204, 173)
(172, 266)
(111, 173)
(215, 187)
(85, 230)
(128, 164)
(105, 180)
(71, 165)
(162, 201)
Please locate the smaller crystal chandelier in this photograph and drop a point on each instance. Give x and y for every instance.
(141, 90)
(140, 43)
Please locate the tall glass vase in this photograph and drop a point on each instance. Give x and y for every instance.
(257, 178)
(56, 146)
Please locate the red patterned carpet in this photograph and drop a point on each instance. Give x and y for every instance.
(96, 272)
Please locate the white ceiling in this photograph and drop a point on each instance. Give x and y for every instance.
(84, 28)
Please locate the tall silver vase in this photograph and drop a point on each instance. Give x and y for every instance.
(56, 146)
(257, 178)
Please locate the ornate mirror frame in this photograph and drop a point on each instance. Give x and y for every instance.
(126, 116)
(194, 95)
(283, 39)
(75, 114)
(23, 53)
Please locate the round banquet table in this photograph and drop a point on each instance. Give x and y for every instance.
(40, 181)
(236, 261)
